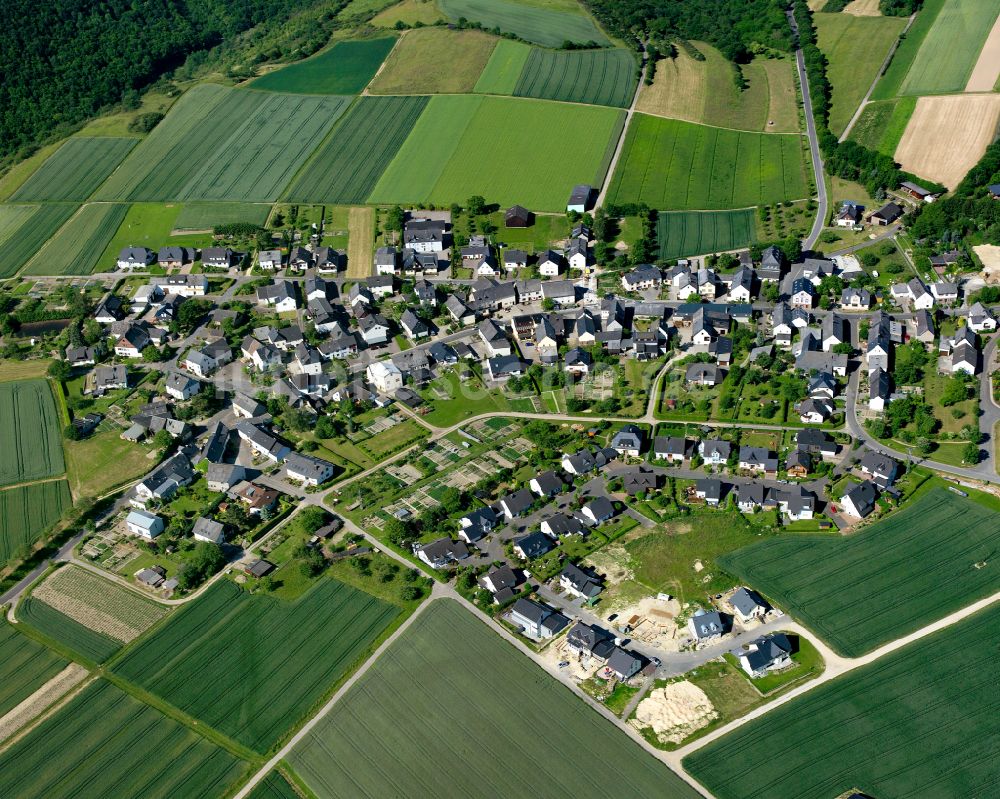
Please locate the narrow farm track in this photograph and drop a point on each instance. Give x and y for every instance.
(621, 140)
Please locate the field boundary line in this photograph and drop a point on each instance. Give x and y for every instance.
(40, 481)
(364, 92)
(51, 710)
(436, 592)
(798, 134)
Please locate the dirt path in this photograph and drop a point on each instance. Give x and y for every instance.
(987, 70)
(33, 706)
(621, 141)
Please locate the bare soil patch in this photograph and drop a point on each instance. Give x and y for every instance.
(862, 8)
(989, 254)
(675, 711)
(947, 135)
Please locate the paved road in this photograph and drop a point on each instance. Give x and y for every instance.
(817, 161)
(878, 75)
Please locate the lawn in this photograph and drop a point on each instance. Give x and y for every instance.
(345, 68)
(601, 77)
(467, 399)
(692, 232)
(253, 666)
(28, 511)
(31, 432)
(106, 743)
(376, 738)
(855, 48)
(102, 461)
(503, 70)
(76, 246)
(394, 439)
(890, 579)
(704, 91)
(951, 48)
(189, 156)
(442, 160)
(75, 170)
(25, 666)
(435, 61)
(902, 60)
(205, 216)
(669, 164)
(665, 560)
(545, 23)
(346, 167)
(145, 225)
(881, 124)
(25, 228)
(907, 726)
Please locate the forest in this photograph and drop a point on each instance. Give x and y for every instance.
(739, 28)
(64, 61)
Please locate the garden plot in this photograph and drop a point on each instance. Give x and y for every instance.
(406, 474)
(382, 424)
(99, 604)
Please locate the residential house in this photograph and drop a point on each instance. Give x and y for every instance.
(441, 553)
(257, 498)
(980, 319)
(384, 376)
(181, 387)
(533, 545)
(280, 295)
(758, 459)
(707, 626)
(550, 264)
(108, 378)
(623, 664)
(772, 263)
(263, 444)
(749, 497)
(387, 261)
(675, 449)
(501, 582)
(493, 336)
(208, 530)
(628, 441)
(849, 215)
(859, 501)
(834, 331)
(879, 390)
(223, 476)
(852, 299)
(816, 442)
(132, 342)
(741, 287)
(765, 655)
(560, 525)
(642, 278)
(537, 620)
(748, 605)
(715, 451)
(585, 461)
(709, 490)
(308, 470)
(270, 260)
(781, 325)
(516, 504)
(426, 235)
(882, 468)
(144, 524)
(130, 258)
(504, 367)
(795, 502)
(799, 463)
(514, 259)
(803, 293)
(547, 484)
(815, 411)
(598, 511)
(413, 326)
(703, 374)
(886, 215)
(219, 258)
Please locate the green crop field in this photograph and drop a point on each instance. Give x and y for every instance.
(27, 511)
(273, 786)
(345, 68)
(349, 163)
(77, 246)
(855, 48)
(414, 709)
(894, 577)
(890, 82)
(882, 124)
(105, 743)
(602, 77)
(918, 723)
(86, 643)
(205, 216)
(529, 163)
(76, 169)
(225, 144)
(25, 666)
(251, 666)
(681, 233)
(548, 26)
(503, 70)
(145, 225)
(669, 164)
(25, 228)
(30, 432)
(951, 48)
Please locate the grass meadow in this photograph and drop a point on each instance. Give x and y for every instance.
(205, 216)
(681, 233)
(599, 77)
(674, 165)
(418, 706)
(951, 48)
(888, 580)
(25, 228)
(27, 511)
(855, 48)
(25, 666)
(144, 225)
(548, 23)
(345, 68)
(75, 170)
(225, 144)
(104, 742)
(882, 124)
(252, 666)
(346, 167)
(443, 159)
(920, 722)
(435, 61)
(77, 246)
(503, 70)
(30, 430)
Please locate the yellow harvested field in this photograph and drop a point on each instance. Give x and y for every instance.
(862, 8)
(678, 89)
(783, 97)
(360, 238)
(409, 12)
(987, 70)
(947, 135)
(816, 5)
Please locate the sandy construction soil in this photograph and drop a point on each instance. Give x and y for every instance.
(947, 135)
(989, 254)
(987, 70)
(675, 711)
(862, 8)
(29, 709)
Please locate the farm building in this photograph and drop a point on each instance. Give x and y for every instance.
(518, 216)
